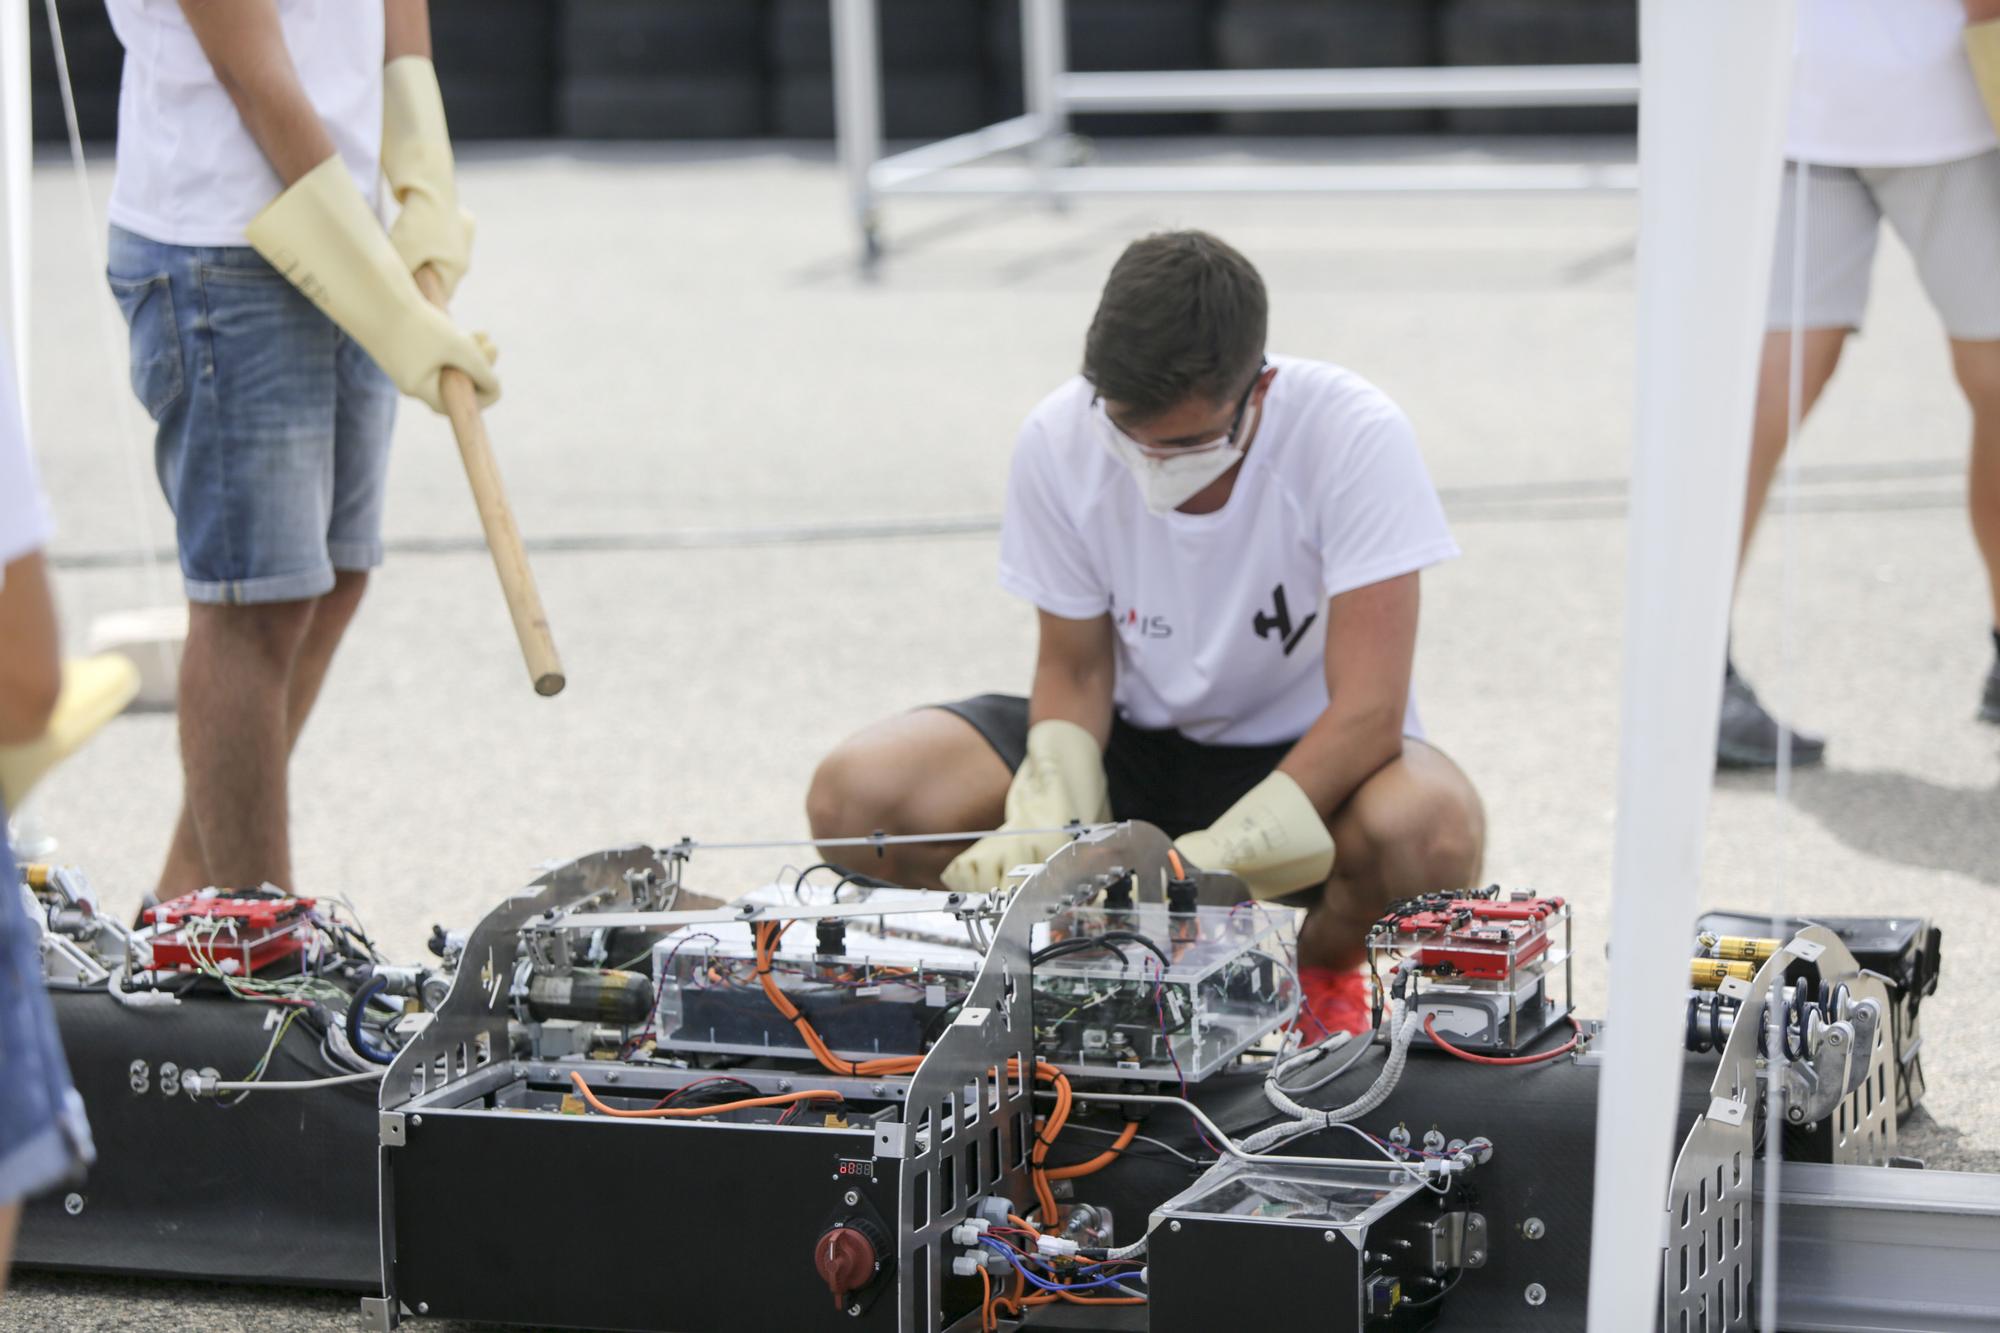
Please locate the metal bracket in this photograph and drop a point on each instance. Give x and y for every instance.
(1805, 950)
(380, 1314)
(1812, 1089)
(1457, 1240)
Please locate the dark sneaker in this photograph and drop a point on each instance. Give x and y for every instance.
(1989, 707)
(1748, 735)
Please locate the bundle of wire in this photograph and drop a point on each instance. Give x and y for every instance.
(1302, 1119)
(767, 935)
(1044, 1279)
(307, 996)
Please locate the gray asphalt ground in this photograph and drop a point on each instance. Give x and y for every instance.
(711, 421)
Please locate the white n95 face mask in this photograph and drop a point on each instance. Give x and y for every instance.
(1168, 478)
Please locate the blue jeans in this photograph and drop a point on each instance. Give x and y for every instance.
(273, 439)
(44, 1137)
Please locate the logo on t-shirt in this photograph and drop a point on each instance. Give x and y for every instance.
(1129, 621)
(1278, 620)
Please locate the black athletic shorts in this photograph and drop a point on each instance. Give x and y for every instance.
(1161, 777)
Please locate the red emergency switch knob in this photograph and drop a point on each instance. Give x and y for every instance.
(847, 1257)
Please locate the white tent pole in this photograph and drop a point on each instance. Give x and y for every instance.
(16, 162)
(1714, 80)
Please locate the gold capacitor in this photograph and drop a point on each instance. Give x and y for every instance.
(36, 874)
(1709, 973)
(1738, 946)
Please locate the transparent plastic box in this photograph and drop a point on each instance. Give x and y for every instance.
(1120, 1010)
(1111, 1010)
(1339, 1194)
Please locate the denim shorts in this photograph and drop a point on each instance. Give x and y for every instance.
(44, 1138)
(273, 439)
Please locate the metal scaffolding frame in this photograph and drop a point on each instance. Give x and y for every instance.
(1054, 92)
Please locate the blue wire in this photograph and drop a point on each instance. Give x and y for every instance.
(354, 1035)
(1042, 1282)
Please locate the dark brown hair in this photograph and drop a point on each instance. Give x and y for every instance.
(1182, 314)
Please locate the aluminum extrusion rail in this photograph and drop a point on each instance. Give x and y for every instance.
(1865, 1249)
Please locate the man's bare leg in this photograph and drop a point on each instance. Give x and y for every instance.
(10, 1222)
(1978, 367)
(1416, 826)
(923, 772)
(187, 869)
(235, 739)
(332, 614)
(1772, 423)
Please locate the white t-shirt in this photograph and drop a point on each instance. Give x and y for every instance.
(188, 171)
(1221, 618)
(24, 515)
(1885, 83)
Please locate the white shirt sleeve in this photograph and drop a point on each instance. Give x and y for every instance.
(1043, 558)
(1379, 516)
(24, 515)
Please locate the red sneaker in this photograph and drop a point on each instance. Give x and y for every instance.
(1331, 999)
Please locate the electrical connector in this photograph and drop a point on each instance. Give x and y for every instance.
(1055, 1247)
(995, 1209)
(967, 1265)
(969, 1232)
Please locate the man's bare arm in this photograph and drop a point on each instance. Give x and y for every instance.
(245, 44)
(1076, 666)
(30, 669)
(1371, 636)
(406, 29)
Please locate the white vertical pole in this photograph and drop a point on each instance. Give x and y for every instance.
(16, 166)
(1714, 81)
(857, 108)
(1044, 62)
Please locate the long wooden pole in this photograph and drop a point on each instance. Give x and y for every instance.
(496, 516)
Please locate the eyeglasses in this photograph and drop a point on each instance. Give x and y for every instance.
(1222, 441)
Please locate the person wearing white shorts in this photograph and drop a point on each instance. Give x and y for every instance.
(1893, 118)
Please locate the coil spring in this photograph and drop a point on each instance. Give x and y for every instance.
(1801, 1006)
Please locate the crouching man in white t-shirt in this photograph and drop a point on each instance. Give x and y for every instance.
(273, 323)
(1224, 549)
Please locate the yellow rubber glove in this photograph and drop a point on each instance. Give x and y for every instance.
(1274, 840)
(94, 690)
(416, 161)
(1059, 783)
(322, 236)
(1982, 47)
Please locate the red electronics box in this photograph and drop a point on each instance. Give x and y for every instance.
(240, 935)
(1476, 937)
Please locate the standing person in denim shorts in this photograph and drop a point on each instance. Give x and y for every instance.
(273, 321)
(43, 1135)
(1894, 104)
